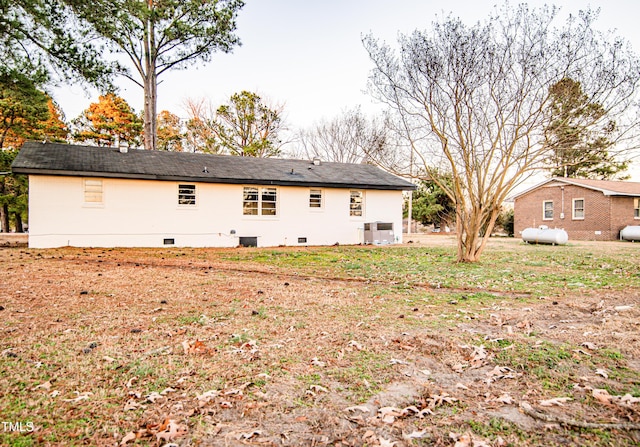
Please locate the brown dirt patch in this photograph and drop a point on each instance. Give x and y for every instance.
(97, 344)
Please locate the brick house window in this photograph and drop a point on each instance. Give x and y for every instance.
(636, 208)
(547, 210)
(578, 208)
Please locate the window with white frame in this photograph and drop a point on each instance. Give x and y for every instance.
(186, 195)
(315, 198)
(547, 210)
(93, 191)
(355, 203)
(636, 208)
(578, 208)
(259, 201)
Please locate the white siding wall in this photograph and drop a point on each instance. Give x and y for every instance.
(142, 213)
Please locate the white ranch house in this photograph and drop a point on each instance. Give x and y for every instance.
(103, 197)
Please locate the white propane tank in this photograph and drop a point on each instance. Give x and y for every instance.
(545, 235)
(630, 233)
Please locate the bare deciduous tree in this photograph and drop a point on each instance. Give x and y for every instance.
(348, 138)
(473, 100)
(199, 135)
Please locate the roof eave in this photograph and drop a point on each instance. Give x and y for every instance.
(567, 181)
(210, 179)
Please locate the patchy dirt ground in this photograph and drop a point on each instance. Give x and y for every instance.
(191, 347)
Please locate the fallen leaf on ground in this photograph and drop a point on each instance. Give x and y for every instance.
(170, 430)
(622, 308)
(602, 372)
(461, 440)
(501, 372)
(131, 436)
(397, 362)
(81, 397)
(628, 399)
(386, 442)
(436, 400)
(389, 414)
(249, 435)
(369, 437)
(361, 408)
(557, 401)
(602, 396)
(45, 386)
(131, 405)
(207, 396)
(479, 356)
(318, 389)
(196, 347)
(504, 399)
(414, 435)
(467, 440)
(605, 398)
(152, 397)
(317, 362)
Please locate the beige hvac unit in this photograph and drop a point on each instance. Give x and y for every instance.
(378, 233)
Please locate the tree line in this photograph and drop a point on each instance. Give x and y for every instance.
(471, 110)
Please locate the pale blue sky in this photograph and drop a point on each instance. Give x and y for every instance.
(308, 55)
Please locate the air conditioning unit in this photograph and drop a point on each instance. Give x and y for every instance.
(378, 233)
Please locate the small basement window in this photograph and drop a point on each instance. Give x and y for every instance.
(248, 241)
(169, 241)
(187, 195)
(302, 240)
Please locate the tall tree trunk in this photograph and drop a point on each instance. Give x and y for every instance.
(4, 209)
(150, 104)
(17, 218)
(471, 243)
(4, 218)
(150, 84)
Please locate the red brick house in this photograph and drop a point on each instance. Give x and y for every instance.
(585, 209)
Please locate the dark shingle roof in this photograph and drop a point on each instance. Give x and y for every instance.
(90, 161)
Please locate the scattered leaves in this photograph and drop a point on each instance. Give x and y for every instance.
(556, 401)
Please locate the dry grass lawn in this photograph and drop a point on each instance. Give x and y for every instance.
(340, 346)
